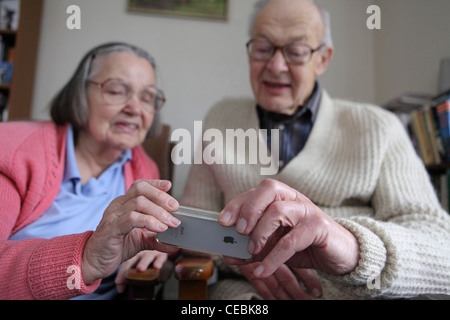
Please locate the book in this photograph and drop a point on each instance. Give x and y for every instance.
(429, 129)
(443, 113)
(418, 130)
(432, 135)
(9, 14)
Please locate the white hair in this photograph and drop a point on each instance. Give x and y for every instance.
(327, 38)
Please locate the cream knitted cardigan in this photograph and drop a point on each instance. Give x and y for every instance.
(360, 168)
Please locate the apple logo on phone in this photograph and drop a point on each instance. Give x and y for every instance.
(229, 239)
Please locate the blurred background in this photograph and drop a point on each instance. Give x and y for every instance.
(200, 61)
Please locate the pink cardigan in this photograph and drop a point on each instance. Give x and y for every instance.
(32, 158)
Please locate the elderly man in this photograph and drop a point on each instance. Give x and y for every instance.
(351, 199)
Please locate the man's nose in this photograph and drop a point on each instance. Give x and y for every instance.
(278, 64)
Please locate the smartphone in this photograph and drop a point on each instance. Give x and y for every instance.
(201, 231)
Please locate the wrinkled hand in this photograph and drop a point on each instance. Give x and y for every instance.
(141, 262)
(128, 226)
(284, 284)
(286, 227)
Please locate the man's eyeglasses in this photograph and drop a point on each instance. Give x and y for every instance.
(117, 92)
(293, 53)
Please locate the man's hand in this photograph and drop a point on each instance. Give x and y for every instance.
(284, 283)
(286, 227)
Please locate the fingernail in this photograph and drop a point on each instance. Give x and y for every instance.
(164, 183)
(241, 225)
(225, 216)
(258, 271)
(316, 293)
(175, 221)
(172, 203)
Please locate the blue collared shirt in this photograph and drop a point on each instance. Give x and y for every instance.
(79, 207)
(294, 129)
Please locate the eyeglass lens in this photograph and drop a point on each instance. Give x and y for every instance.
(293, 53)
(117, 92)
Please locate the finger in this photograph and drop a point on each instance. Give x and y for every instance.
(120, 280)
(120, 284)
(298, 239)
(159, 260)
(149, 257)
(151, 242)
(310, 281)
(230, 213)
(276, 289)
(148, 208)
(145, 259)
(121, 274)
(282, 285)
(291, 287)
(263, 288)
(155, 191)
(258, 201)
(260, 284)
(164, 185)
(278, 214)
(133, 219)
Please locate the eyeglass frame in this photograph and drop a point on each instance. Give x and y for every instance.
(282, 48)
(130, 92)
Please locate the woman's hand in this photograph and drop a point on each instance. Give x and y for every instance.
(141, 262)
(128, 226)
(286, 227)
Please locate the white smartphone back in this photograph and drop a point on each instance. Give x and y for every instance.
(200, 231)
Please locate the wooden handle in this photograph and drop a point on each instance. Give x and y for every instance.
(193, 274)
(142, 283)
(193, 268)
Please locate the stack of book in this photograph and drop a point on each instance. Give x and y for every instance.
(427, 119)
(9, 20)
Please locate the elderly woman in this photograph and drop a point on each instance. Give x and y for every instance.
(62, 180)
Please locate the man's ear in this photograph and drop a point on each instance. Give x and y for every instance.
(325, 56)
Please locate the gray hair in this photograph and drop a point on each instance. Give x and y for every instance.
(70, 105)
(327, 38)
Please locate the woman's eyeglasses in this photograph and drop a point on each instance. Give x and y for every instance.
(116, 92)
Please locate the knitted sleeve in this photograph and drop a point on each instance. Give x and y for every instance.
(34, 268)
(43, 269)
(38, 268)
(405, 248)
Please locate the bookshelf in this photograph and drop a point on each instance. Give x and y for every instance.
(427, 119)
(19, 47)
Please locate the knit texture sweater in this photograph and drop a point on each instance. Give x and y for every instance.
(360, 168)
(32, 161)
